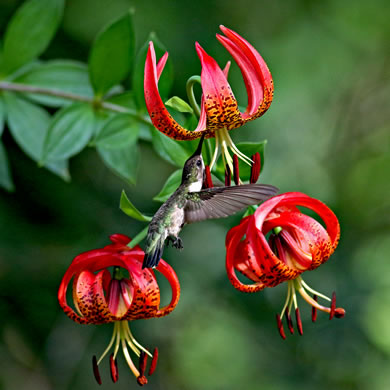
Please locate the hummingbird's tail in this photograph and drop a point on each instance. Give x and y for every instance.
(154, 251)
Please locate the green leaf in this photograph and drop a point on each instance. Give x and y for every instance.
(118, 147)
(249, 149)
(5, 174)
(208, 150)
(179, 105)
(112, 54)
(166, 79)
(29, 32)
(192, 122)
(29, 125)
(249, 211)
(69, 132)
(129, 209)
(2, 116)
(175, 152)
(64, 75)
(101, 118)
(120, 131)
(170, 186)
(125, 99)
(122, 161)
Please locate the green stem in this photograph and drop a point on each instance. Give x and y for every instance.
(22, 88)
(138, 238)
(190, 93)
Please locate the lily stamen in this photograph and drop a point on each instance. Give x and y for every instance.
(118, 338)
(314, 310)
(280, 326)
(223, 138)
(216, 150)
(114, 334)
(229, 142)
(289, 323)
(208, 181)
(113, 369)
(256, 168)
(287, 302)
(299, 285)
(153, 364)
(314, 292)
(228, 176)
(299, 322)
(130, 363)
(96, 372)
(142, 362)
(236, 171)
(134, 341)
(311, 301)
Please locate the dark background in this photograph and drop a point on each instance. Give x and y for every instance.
(328, 136)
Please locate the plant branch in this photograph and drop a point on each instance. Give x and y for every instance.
(23, 88)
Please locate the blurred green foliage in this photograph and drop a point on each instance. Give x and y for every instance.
(328, 133)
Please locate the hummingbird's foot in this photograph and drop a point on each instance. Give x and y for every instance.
(177, 243)
(169, 239)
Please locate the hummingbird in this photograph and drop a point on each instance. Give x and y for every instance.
(190, 203)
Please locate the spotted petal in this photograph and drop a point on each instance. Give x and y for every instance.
(256, 75)
(158, 113)
(237, 258)
(89, 297)
(220, 104)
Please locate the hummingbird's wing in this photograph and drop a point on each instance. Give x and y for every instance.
(220, 202)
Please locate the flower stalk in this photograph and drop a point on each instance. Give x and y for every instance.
(23, 88)
(190, 94)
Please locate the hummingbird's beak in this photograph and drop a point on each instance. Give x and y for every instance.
(198, 151)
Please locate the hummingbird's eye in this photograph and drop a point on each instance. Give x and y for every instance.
(199, 163)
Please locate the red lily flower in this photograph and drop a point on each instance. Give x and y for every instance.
(219, 109)
(101, 298)
(297, 243)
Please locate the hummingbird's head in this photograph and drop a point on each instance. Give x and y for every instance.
(194, 169)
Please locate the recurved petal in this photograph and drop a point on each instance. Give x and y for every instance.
(245, 261)
(92, 261)
(275, 270)
(99, 258)
(158, 113)
(89, 298)
(303, 234)
(233, 249)
(89, 293)
(119, 239)
(171, 276)
(293, 199)
(219, 102)
(161, 64)
(257, 77)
